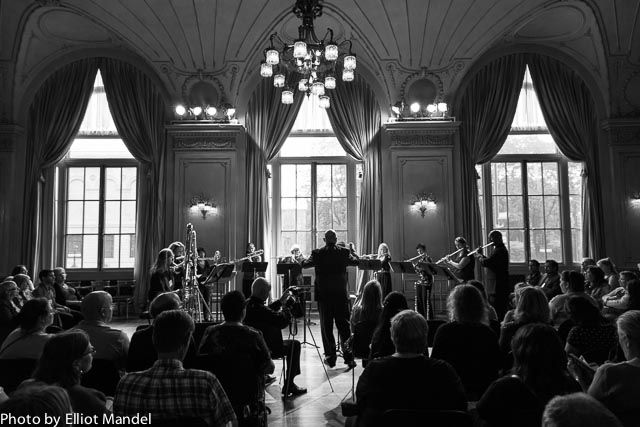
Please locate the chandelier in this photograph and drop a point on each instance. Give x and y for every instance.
(314, 61)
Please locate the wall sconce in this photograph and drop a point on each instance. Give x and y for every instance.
(417, 112)
(206, 113)
(634, 198)
(424, 202)
(200, 203)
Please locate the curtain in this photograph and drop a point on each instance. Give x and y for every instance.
(355, 117)
(486, 110)
(568, 108)
(53, 120)
(138, 112)
(268, 123)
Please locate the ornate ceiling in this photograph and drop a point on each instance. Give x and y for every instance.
(221, 41)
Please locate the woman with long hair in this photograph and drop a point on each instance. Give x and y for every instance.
(65, 358)
(539, 373)
(162, 274)
(384, 274)
(25, 289)
(28, 340)
(368, 306)
(610, 272)
(381, 344)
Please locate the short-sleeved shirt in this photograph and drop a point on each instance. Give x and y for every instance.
(168, 391)
(228, 339)
(110, 343)
(589, 338)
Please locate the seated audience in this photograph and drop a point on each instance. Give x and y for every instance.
(27, 341)
(586, 263)
(534, 276)
(610, 272)
(492, 316)
(19, 269)
(467, 343)
(592, 336)
(39, 401)
(597, 286)
(270, 320)
(513, 302)
(539, 373)
(8, 309)
(368, 307)
(577, 410)
(65, 294)
(68, 317)
(616, 302)
(550, 282)
(142, 354)
(167, 390)
(572, 284)
(617, 385)
(65, 358)
(25, 289)
(381, 344)
(110, 344)
(162, 274)
(407, 379)
(229, 341)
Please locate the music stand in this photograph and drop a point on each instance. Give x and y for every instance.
(289, 269)
(254, 267)
(220, 271)
(369, 264)
(402, 267)
(438, 270)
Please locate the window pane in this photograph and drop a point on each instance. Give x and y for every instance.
(552, 211)
(74, 217)
(73, 251)
(304, 214)
(111, 217)
(342, 235)
(575, 178)
(288, 180)
(514, 178)
(75, 189)
(550, 173)
(304, 240)
(111, 251)
(515, 239)
(536, 212)
(113, 183)
(534, 178)
(339, 180)
(90, 251)
(303, 181)
(128, 216)
(288, 213)
(323, 214)
(576, 244)
(498, 179)
(92, 184)
(91, 217)
(288, 239)
(554, 245)
(515, 212)
(500, 216)
(340, 213)
(127, 250)
(323, 176)
(575, 210)
(538, 245)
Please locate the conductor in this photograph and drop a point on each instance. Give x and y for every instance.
(331, 263)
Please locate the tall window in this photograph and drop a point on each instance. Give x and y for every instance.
(314, 184)
(531, 192)
(97, 194)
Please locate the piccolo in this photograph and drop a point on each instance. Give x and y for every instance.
(476, 250)
(444, 258)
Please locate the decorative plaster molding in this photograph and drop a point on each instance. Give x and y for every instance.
(203, 77)
(50, 3)
(200, 142)
(622, 132)
(407, 139)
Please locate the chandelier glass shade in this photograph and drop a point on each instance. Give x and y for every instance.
(316, 63)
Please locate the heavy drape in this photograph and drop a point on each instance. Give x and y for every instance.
(138, 112)
(53, 120)
(569, 111)
(268, 123)
(486, 110)
(355, 117)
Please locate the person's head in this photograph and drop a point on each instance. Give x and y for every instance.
(48, 277)
(409, 332)
(586, 262)
(233, 306)
(295, 250)
(172, 331)
(60, 275)
(421, 248)
(96, 307)
(39, 401)
(251, 248)
(24, 282)
(466, 305)
(372, 295)
(577, 410)
(534, 266)
(575, 282)
(19, 269)
(8, 290)
(330, 237)
(164, 260)
(533, 306)
(163, 302)
(177, 248)
(595, 275)
(383, 249)
(460, 242)
(393, 303)
(495, 237)
(606, 265)
(261, 289)
(551, 266)
(35, 315)
(201, 254)
(623, 277)
(65, 357)
(633, 289)
(629, 333)
(480, 287)
(582, 311)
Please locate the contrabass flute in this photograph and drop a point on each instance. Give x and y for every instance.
(475, 251)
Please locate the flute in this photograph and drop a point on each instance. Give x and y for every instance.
(476, 250)
(444, 258)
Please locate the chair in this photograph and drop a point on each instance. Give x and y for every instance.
(426, 418)
(360, 347)
(14, 371)
(433, 324)
(104, 376)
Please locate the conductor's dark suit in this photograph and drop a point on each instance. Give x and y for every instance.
(331, 264)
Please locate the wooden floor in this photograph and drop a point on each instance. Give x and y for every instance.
(321, 405)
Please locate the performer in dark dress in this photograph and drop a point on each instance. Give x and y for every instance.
(498, 265)
(464, 264)
(423, 305)
(383, 276)
(331, 263)
(162, 274)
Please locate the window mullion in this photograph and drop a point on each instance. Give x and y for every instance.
(525, 212)
(314, 200)
(101, 208)
(565, 214)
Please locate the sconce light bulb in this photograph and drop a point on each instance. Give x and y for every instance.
(181, 110)
(211, 111)
(431, 108)
(196, 111)
(415, 107)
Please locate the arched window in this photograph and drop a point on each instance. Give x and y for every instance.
(531, 192)
(96, 198)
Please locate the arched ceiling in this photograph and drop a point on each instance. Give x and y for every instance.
(395, 41)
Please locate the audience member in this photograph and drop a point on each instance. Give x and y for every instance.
(597, 286)
(592, 336)
(534, 276)
(25, 289)
(381, 344)
(616, 302)
(539, 373)
(513, 302)
(67, 318)
(572, 284)
(610, 272)
(65, 294)
(19, 269)
(577, 410)
(586, 262)
(110, 344)
(162, 274)
(232, 346)
(39, 401)
(368, 306)
(467, 343)
(167, 390)
(65, 358)
(270, 320)
(550, 282)
(27, 341)
(492, 316)
(8, 309)
(407, 379)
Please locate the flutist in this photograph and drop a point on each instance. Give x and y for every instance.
(248, 278)
(498, 267)
(423, 303)
(463, 263)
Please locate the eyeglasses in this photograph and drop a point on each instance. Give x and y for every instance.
(90, 351)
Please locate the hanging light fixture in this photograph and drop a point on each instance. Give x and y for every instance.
(315, 61)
